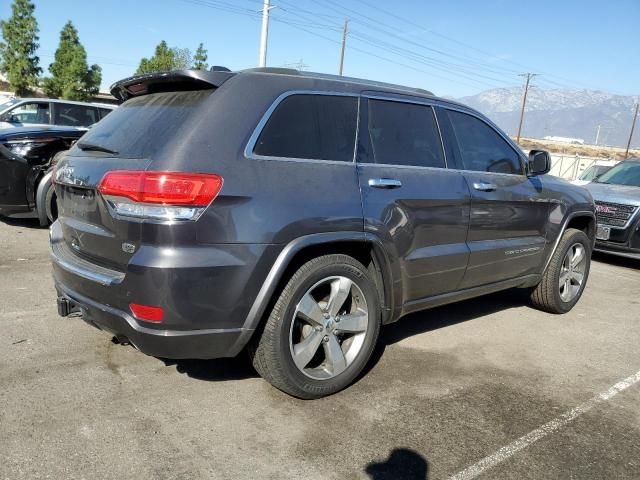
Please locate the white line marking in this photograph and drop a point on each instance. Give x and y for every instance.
(548, 428)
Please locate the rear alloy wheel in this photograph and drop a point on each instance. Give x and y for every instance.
(322, 330)
(566, 276)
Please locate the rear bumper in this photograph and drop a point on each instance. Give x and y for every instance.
(173, 344)
(205, 291)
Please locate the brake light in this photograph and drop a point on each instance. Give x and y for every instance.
(160, 195)
(147, 313)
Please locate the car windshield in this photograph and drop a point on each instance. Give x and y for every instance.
(625, 173)
(7, 102)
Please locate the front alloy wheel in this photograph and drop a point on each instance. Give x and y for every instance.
(572, 272)
(566, 276)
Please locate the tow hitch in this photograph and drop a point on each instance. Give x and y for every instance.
(66, 307)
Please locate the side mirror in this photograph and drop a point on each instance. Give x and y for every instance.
(539, 162)
(5, 118)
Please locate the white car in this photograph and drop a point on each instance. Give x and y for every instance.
(30, 112)
(591, 173)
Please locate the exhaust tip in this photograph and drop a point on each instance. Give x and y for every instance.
(120, 340)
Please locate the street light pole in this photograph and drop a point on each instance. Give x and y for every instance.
(264, 34)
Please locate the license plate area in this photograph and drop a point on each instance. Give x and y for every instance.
(602, 232)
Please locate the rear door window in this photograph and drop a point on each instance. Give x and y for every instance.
(104, 112)
(316, 127)
(404, 134)
(74, 115)
(481, 148)
(142, 126)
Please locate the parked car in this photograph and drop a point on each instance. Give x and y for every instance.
(294, 213)
(30, 112)
(26, 156)
(617, 197)
(591, 173)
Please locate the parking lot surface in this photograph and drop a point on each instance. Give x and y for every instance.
(457, 390)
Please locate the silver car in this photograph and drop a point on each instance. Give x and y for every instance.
(617, 197)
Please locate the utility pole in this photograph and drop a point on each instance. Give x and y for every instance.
(633, 126)
(598, 134)
(264, 34)
(529, 76)
(344, 44)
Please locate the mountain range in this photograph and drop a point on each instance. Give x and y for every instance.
(562, 113)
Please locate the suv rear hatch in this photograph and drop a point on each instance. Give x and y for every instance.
(104, 211)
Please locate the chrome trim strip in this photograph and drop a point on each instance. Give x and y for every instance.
(102, 279)
(253, 139)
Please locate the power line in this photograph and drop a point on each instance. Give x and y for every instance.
(457, 69)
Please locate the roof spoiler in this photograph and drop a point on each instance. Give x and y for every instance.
(176, 80)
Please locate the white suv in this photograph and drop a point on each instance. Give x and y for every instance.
(29, 112)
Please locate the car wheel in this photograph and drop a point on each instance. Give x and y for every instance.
(566, 277)
(51, 204)
(322, 329)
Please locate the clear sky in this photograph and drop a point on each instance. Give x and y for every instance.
(452, 47)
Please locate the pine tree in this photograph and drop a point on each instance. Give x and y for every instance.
(71, 78)
(165, 59)
(200, 58)
(17, 53)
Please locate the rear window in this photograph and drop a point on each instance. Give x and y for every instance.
(142, 126)
(316, 127)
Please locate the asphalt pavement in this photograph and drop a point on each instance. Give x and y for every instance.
(487, 388)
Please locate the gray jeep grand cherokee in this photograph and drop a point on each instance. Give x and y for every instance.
(294, 213)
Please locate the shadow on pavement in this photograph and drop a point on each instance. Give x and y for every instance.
(615, 260)
(240, 367)
(21, 222)
(402, 464)
(217, 370)
(445, 316)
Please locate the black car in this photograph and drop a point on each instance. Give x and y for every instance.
(26, 156)
(293, 213)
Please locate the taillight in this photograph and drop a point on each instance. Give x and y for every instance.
(147, 313)
(160, 195)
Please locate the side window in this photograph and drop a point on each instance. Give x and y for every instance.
(30, 113)
(104, 112)
(482, 149)
(317, 127)
(404, 134)
(74, 115)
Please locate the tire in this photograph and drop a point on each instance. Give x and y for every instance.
(296, 325)
(51, 205)
(554, 296)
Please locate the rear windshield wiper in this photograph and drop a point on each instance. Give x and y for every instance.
(95, 148)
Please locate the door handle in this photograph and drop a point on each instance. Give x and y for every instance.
(484, 187)
(384, 183)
